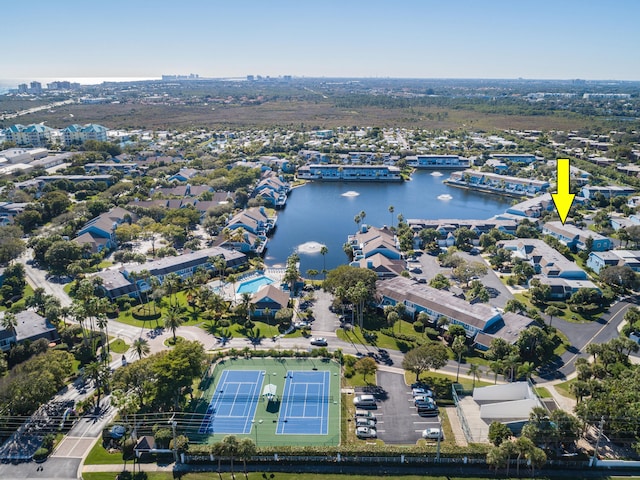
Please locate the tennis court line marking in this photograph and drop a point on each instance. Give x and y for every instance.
(223, 385)
(324, 406)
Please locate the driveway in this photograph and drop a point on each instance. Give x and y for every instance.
(499, 293)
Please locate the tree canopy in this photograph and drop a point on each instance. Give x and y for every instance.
(430, 356)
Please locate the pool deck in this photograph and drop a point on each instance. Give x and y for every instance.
(228, 292)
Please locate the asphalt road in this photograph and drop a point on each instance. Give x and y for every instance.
(582, 334)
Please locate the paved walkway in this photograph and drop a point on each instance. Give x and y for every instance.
(454, 421)
(119, 467)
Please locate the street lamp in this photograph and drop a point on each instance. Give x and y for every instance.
(256, 428)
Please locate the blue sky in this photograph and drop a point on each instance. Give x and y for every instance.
(555, 39)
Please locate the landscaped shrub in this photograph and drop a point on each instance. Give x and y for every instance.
(41, 454)
(142, 312)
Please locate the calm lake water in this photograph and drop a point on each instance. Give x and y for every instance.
(323, 214)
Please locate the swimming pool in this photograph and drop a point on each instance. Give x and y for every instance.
(253, 285)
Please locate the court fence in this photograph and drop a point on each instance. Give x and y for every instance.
(456, 391)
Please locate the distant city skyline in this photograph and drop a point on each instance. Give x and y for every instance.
(499, 39)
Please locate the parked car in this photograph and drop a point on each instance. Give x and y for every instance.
(421, 392)
(365, 414)
(366, 432)
(428, 412)
(365, 422)
(366, 401)
(319, 342)
(425, 403)
(433, 433)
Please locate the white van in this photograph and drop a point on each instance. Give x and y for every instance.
(365, 401)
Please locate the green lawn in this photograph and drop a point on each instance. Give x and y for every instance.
(99, 456)
(564, 389)
(67, 287)
(27, 292)
(542, 392)
(357, 380)
(567, 314)
(381, 340)
(170, 342)
(119, 346)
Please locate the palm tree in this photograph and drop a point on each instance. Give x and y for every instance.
(458, 348)
(141, 346)
(579, 389)
(511, 364)
(103, 324)
(246, 450)
(172, 283)
(442, 322)
(323, 251)
(230, 446)
(221, 264)
(173, 320)
(217, 450)
(100, 374)
(203, 298)
(526, 370)
(233, 278)
(552, 311)
(191, 290)
(391, 210)
(218, 305)
(9, 321)
(475, 371)
(496, 368)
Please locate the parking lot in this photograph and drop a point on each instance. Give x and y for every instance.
(398, 419)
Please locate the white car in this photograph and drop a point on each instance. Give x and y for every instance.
(366, 432)
(365, 422)
(433, 433)
(365, 414)
(319, 342)
(421, 392)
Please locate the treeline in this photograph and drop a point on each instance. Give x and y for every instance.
(494, 105)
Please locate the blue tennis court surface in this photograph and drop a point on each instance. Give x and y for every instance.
(234, 402)
(305, 404)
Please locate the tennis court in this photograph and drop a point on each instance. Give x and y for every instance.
(305, 404)
(260, 392)
(234, 402)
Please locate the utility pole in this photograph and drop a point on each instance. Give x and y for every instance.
(595, 451)
(173, 431)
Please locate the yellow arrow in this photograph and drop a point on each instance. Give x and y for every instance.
(563, 199)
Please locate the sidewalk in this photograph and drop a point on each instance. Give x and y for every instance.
(454, 421)
(119, 467)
